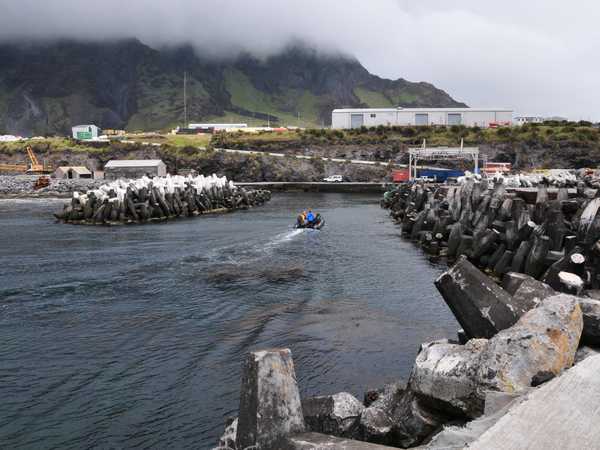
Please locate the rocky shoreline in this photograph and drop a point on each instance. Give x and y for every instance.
(522, 373)
(22, 186)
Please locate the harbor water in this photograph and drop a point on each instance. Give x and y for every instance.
(133, 336)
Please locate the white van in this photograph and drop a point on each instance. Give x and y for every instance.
(334, 179)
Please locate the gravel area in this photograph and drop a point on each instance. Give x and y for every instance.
(22, 186)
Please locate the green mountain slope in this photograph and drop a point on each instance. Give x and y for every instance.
(126, 84)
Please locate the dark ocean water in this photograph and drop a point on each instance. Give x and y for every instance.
(133, 337)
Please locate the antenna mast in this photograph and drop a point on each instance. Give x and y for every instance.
(185, 99)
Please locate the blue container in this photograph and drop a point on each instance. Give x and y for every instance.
(440, 175)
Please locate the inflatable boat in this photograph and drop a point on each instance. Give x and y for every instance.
(316, 224)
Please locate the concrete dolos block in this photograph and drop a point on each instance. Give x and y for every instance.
(481, 306)
(270, 408)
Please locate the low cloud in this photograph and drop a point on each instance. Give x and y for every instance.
(537, 57)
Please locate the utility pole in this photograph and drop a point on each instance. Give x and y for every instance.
(185, 99)
(298, 119)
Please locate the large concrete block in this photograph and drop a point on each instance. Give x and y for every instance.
(481, 306)
(270, 408)
(562, 414)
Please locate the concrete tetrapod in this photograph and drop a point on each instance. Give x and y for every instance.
(481, 306)
(270, 408)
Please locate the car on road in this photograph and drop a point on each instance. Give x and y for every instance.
(334, 179)
(426, 179)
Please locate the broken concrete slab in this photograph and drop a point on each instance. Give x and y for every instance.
(562, 414)
(337, 415)
(270, 408)
(459, 437)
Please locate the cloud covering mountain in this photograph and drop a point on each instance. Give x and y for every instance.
(537, 57)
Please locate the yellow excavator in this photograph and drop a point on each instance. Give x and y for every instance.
(34, 168)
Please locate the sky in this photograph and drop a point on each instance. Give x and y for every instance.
(536, 57)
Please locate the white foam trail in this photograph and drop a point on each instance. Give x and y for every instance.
(284, 237)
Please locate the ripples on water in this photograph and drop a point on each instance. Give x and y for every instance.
(133, 336)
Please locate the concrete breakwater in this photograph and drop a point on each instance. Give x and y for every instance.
(524, 363)
(556, 241)
(525, 359)
(158, 199)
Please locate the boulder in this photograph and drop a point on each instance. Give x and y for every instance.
(540, 346)
(270, 408)
(337, 415)
(446, 372)
(376, 421)
(480, 306)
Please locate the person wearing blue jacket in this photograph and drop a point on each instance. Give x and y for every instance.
(310, 217)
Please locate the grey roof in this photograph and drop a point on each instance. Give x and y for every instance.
(133, 163)
(83, 126)
(79, 169)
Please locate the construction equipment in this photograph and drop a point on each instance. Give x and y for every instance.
(41, 182)
(34, 168)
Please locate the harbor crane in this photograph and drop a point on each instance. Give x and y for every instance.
(34, 167)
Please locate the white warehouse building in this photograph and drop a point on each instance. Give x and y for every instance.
(372, 117)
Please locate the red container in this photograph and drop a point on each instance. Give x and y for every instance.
(400, 175)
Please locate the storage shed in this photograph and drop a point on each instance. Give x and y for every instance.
(134, 168)
(85, 132)
(72, 172)
(371, 117)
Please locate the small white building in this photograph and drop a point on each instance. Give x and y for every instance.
(372, 117)
(72, 172)
(134, 168)
(85, 132)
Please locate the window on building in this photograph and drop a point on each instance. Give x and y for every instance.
(454, 119)
(373, 116)
(422, 119)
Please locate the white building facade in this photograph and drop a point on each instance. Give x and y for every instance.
(85, 132)
(372, 117)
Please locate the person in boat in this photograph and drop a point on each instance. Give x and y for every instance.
(310, 217)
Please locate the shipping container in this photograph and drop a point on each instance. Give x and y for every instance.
(440, 175)
(400, 175)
